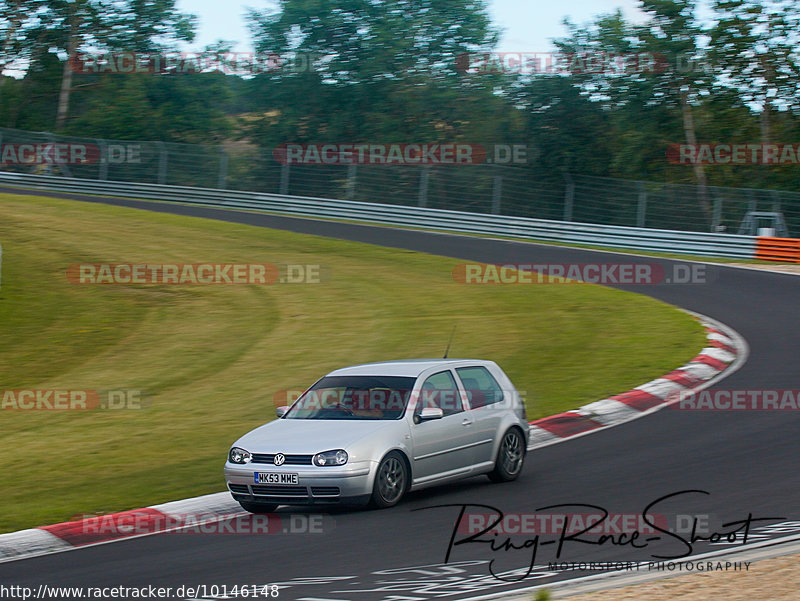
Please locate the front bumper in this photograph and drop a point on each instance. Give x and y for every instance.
(349, 484)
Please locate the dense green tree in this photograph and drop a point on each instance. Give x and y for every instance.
(392, 71)
(75, 26)
(369, 41)
(753, 46)
(186, 108)
(376, 70)
(570, 132)
(656, 86)
(30, 102)
(18, 31)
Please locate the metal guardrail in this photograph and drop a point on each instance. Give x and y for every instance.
(694, 243)
(785, 250)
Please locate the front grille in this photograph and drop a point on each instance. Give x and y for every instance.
(240, 488)
(280, 491)
(290, 459)
(325, 491)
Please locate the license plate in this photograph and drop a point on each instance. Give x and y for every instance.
(273, 478)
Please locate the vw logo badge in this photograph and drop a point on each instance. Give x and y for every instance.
(280, 458)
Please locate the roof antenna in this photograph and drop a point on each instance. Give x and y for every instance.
(449, 342)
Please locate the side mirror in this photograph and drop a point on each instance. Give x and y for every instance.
(429, 413)
(281, 411)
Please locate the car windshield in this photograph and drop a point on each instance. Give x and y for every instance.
(354, 398)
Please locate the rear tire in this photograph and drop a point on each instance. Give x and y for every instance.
(258, 507)
(510, 457)
(391, 481)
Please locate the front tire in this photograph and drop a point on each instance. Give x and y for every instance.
(391, 481)
(258, 507)
(510, 457)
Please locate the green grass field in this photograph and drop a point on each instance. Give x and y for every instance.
(211, 358)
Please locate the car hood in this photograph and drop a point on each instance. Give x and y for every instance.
(309, 436)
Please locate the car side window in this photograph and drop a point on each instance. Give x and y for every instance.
(440, 390)
(481, 387)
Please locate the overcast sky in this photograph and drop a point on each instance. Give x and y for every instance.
(528, 25)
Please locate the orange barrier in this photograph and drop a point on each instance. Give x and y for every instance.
(786, 250)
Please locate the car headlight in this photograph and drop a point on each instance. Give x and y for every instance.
(328, 458)
(237, 455)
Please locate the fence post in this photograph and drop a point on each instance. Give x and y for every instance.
(284, 179)
(776, 202)
(716, 217)
(641, 209)
(64, 169)
(103, 172)
(162, 163)
(350, 191)
(569, 197)
(222, 180)
(497, 193)
(423, 186)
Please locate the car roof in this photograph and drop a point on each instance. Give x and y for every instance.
(405, 367)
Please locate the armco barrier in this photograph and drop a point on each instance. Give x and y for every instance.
(694, 243)
(786, 250)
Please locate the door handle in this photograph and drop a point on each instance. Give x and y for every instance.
(466, 422)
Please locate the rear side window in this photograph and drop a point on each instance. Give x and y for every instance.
(439, 390)
(481, 387)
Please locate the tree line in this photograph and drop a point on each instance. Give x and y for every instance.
(617, 99)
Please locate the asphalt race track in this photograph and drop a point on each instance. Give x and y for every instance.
(745, 460)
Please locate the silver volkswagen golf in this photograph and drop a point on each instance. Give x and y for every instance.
(370, 433)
